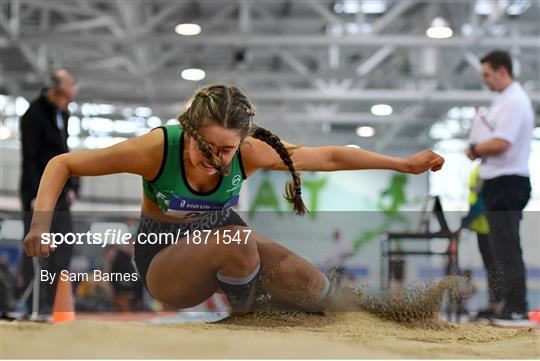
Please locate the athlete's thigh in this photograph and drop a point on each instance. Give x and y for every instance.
(183, 275)
(284, 269)
(272, 254)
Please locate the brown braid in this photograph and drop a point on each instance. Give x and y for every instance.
(206, 148)
(293, 189)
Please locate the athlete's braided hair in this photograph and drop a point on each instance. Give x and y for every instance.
(230, 108)
(293, 189)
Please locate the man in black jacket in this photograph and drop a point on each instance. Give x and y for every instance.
(43, 136)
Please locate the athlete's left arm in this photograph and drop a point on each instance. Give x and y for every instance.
(333, 158)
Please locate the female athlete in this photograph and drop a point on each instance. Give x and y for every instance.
(192, 174)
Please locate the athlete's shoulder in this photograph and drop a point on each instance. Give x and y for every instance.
(253, 148)
(174, 126)
(153, 139)
(257, 154)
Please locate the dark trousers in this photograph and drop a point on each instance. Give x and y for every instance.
(505, 197)
(59, 260)
(489, 265)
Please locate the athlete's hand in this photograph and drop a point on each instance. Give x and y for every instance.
(424, 160)
(33, 247)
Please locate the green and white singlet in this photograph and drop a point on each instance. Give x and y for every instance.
(171, 191)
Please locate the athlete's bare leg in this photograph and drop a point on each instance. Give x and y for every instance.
(184, 275)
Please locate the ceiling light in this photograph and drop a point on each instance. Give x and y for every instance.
(5, 133)
(468, 112)
(74, 142)
(365, 132)
(153, 122)
(374, 7)
(127, 112)
(334, 29)
(105, 109)
(74, 125)
(518, 7)
(101, 125)
(381, 109)
(72, 107)
(454, 113)
(124, 126)
(366, 28)
(353, 146)
(439, 29)
(482, 7)
(351, 6)
(21, 105)
(498, 29)
(88, 109)
(193, 74)
(467, 29)
(143, 111)
(188, 29)
(439, 130)
(352, 28)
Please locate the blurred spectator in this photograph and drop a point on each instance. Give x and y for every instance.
(396, 272)
(477, 222)
(341, 250)
(8, 283)
(79, 264)
(44, 136)
(127, 295)
(93, 296)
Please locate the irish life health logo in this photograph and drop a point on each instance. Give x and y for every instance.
(236, 183)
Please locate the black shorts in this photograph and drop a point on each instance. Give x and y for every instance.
(145, 251)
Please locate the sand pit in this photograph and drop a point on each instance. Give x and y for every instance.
(403, 325)
(338, 335)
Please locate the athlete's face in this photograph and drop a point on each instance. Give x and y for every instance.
(226, 142)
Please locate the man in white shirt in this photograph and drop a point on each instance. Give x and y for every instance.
(504, 146)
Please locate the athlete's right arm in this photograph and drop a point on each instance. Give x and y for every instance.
(140, 155)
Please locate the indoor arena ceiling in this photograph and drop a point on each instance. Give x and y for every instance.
(313, 67)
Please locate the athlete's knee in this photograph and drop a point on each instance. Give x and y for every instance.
(243, 255)
(240, 253)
